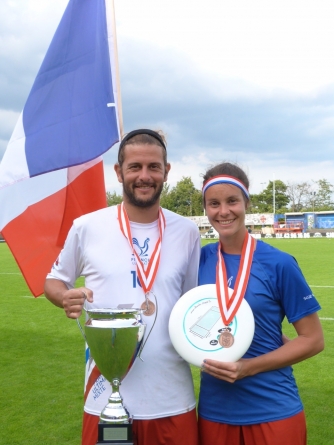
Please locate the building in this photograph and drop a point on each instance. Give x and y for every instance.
(312, 220)
(287, 225)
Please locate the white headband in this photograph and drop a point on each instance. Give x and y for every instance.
(224, 179)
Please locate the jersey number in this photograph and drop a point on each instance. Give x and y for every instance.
(135, 279)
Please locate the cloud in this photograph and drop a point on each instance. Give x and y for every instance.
(27, 28)
(194, 111)
(286, 45)
(215, 102)
(8, 121)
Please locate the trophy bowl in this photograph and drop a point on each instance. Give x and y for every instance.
(114, 337)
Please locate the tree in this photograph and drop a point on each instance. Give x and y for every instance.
(264, 201)
(257, 204)
(298, 195)
(197, 203)
(322, 197)
(165, 196)
(113, 199)
(183, 199)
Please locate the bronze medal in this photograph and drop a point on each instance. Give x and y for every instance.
(226, 339)
(148, 307)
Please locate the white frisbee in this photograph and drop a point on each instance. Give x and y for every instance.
(197, 331)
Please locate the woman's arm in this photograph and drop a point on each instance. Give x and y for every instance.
(309, 342)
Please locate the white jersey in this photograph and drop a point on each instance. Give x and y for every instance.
(161, 384)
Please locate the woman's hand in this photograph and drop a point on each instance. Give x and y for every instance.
(230, 372)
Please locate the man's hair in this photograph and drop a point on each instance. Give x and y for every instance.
(143, 136)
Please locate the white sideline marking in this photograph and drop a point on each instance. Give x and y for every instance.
(10, 273)
(320, 318)
(331, 287)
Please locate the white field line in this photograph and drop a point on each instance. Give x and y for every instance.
(331, 287)
(19, 273)
(42, 296)
(10, 273)
(31, 296)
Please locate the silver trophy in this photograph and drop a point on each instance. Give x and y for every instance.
(114, 337)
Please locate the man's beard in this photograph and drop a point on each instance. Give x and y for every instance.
(143, 203)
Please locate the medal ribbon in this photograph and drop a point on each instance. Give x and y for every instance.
(229, 305)
(146, 277)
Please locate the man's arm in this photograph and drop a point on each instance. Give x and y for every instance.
(71, 300)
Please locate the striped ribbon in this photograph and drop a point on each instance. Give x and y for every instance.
(229, 305)
(146, 277)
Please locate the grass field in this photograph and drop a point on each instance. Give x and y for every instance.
(42, 357)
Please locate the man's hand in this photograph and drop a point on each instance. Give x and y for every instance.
(74, 300)
(71, 300)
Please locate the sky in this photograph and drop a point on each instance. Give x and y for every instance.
(244, 81)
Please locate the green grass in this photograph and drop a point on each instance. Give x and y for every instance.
(42, 357)
(41, 366)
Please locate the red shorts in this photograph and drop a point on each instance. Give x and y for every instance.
(291, 431)
(174, 430)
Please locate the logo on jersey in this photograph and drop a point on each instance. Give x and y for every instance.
(141, 250)
(98, 387)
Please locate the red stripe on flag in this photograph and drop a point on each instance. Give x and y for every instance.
(36, 236)
(85, 194)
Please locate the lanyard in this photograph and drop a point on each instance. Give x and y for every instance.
(146, 277)
(229, 305)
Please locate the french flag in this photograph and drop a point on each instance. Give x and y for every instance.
(52, 170)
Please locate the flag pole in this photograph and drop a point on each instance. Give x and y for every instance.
(110, 9)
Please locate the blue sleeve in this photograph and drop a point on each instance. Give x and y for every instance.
(296, 296)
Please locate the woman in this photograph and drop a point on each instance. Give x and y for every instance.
(255, 400)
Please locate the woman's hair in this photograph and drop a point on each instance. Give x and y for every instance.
(227, 169)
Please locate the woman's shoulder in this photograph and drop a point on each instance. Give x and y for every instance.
(208, 253)
(272, 255)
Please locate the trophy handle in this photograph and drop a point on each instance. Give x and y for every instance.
(82, 331)
(79, 324)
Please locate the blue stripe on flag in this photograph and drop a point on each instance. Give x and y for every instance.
(66, 118)
(87, 354)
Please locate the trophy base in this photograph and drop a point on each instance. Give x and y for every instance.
(117, 434)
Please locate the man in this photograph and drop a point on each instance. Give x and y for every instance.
(111, 248)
